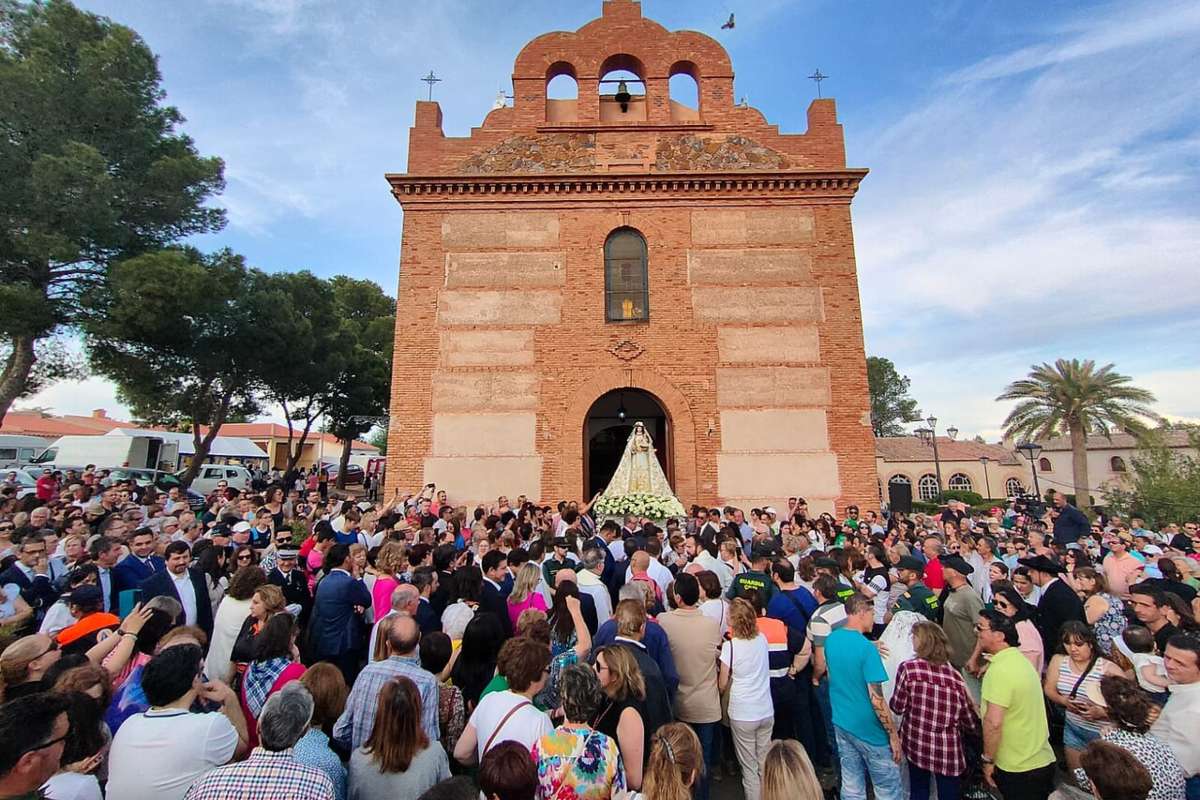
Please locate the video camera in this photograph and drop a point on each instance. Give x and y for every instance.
(1030, 505)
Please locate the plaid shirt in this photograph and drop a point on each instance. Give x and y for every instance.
(936, 709)
(265, 775)
(358, 720)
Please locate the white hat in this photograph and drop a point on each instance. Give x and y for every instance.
(365, 506)
(242, 527)
(771, 511)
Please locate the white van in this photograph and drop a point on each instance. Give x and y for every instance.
(210, 475)
(136, 452)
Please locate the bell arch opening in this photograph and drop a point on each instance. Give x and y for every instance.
(607, 426)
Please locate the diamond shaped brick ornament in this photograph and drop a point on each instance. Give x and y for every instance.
(626, 350)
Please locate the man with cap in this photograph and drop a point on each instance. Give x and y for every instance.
(558, 561)
(86, 604)
(290, 579)
(919, 597)
(961, 607)
(756, 579)
(1058, 603)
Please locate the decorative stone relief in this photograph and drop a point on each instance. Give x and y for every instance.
(626, 350)
(693, 153)
(555, 152)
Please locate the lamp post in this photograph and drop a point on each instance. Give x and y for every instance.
(929, 436)
(1031, 451)
(987, 484)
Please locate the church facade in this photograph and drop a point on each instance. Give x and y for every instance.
(579, 264)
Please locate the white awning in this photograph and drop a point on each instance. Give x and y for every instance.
(222, 446)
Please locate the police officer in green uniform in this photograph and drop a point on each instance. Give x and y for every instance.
(756, 579)
(829, 566)
(919, 597)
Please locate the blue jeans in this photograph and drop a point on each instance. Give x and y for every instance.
(707, 733)
(827, 716)
(949, 787)
(1191, 789)
(860, 760)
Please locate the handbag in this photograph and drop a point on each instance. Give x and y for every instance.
(488, 745)
(728, 689)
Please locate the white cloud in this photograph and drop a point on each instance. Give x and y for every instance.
(1035, 206)
(1097, 36)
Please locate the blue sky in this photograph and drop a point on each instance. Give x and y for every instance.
(1034, 178)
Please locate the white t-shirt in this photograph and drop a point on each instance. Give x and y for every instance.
(718, 610)
(525, 726)
(159, 754)
(750, 691)
(72, 786)
(187, 596)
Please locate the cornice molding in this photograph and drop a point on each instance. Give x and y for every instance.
(794, 184)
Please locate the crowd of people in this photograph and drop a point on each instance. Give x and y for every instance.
(291, 643)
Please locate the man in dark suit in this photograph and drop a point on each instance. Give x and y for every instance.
(425, 580)
(1058, 602)
(288, 577)
(140, 564)
(184, 584)
(335, 632)
(493, 598)
(31, 573)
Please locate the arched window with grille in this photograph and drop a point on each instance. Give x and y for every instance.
(1044, 464)
(626, 277)
(1014, 487)
(927, 487)
(960, 483)
(899, 478)
(1116, 464)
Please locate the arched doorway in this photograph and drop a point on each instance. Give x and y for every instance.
(606, 429)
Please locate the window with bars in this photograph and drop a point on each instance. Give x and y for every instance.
(626, 277)
(927, 487)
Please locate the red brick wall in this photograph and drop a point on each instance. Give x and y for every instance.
(572, 358)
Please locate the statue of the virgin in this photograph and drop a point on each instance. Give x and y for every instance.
(639, 471)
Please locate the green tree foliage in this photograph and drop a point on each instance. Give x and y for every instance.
(1162, 484)
(1074, 398)
(92, 170)
(364, 388)
(177, 332)
(379, 438)
(891, 405)
(310, 345)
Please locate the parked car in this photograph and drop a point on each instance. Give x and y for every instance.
(211, 475)
(163, 481)
(354, 474)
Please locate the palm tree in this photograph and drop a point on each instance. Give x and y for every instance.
(1075, 398)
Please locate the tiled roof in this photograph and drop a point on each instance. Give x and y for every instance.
(1119, 441)
(32, 423)
(267, 430)
(911, 448)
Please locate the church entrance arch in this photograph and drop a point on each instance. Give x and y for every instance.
(606, 429)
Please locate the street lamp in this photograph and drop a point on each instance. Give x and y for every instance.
(952, 432)
(1031, 451)
(929, 436)
(987, 484)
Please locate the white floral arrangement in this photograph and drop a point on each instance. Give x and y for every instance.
(653, 506)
